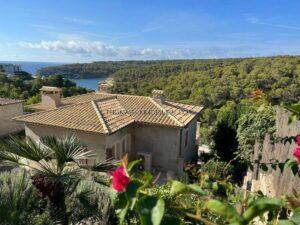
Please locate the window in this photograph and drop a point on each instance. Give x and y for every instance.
(186, 138)
(110, 153)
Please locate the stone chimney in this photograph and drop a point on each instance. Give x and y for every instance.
(104, 87)
(51, 96)
(158, 95)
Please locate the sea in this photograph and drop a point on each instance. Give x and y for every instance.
(32, 67)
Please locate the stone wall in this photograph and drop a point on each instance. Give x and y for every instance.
(7, 124)
(275, 183)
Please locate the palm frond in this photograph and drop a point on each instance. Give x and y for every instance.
(104, 166)
(25, 149)
(66, 149)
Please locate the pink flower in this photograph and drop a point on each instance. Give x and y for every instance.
(120, 179)
(297, 139)
(297, 153)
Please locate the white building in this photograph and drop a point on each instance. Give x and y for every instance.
(10, 69)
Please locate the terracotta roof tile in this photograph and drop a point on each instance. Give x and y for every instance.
(8, 101)
(106, 113)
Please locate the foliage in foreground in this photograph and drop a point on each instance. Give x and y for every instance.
(55, 171)
(211, 200)
(206, 201)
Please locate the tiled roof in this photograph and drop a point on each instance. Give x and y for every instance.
(8, 101)
(106, 113)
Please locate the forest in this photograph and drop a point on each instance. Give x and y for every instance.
(94, 69)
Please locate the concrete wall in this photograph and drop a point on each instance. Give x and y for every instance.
(162, 142)
(275, 183)
(93, 142)
(7, 125)
(188, 146)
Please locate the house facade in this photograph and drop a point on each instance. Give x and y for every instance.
(10, 108)
(161, 132)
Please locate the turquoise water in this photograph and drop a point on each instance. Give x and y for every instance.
(89, 83)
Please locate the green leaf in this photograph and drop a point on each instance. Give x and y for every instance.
(132, 190)
(224, 210)
(264, 167)
(274, 166)
(181, 188)
(281, 166)
(132, 164)
(122, 207)
(215, 186)
(295, 169)
(285, 222)
(151, 210)
(289, 163)
(296, 217)
(260, 206)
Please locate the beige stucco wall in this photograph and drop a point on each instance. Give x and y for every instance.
(94, 142)
(189, 151)
(7, 112)
(162, 142)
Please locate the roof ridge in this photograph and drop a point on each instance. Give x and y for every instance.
(101, 118)
(177, 106)
(166, 111)
(105, 99)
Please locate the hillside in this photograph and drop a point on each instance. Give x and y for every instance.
(95, 69)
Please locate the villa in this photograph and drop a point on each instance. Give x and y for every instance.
(161, 132)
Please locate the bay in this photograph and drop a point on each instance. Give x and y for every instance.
(89, 83)
(32, 67)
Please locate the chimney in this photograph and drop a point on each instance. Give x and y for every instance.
(104, 87)
(158, 95)
(51, 96)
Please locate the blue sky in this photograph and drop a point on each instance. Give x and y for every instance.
(84, 31)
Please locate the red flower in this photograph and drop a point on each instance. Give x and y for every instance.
(297, 139)
(297, 153)
(120, 179)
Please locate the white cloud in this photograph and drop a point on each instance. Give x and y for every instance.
(86, 51)
(99, 49)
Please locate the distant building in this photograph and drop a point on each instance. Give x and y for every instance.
(160, 132)
(10, 69)
(10, 108)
